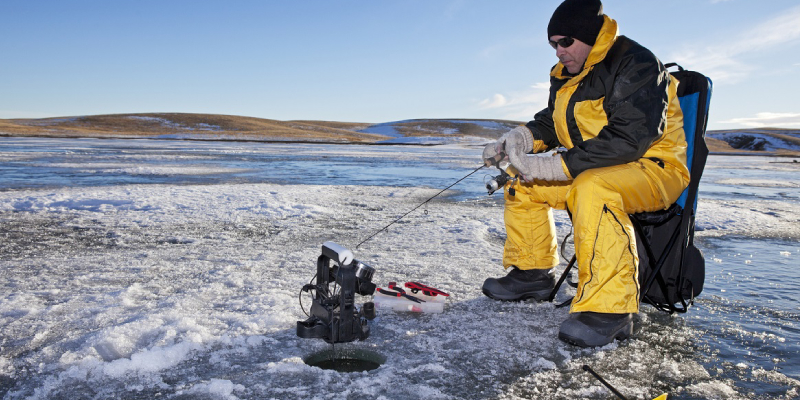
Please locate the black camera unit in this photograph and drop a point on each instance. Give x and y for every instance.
(334, 315)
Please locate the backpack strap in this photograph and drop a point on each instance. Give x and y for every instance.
(672, 64)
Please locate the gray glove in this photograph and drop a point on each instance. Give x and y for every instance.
(515, 145)
(546, 167)
(517, 139)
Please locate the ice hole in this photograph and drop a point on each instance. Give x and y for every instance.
(346, 360)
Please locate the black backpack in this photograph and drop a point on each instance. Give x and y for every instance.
(671, 268)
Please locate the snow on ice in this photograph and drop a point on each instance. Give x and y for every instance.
(191, 291)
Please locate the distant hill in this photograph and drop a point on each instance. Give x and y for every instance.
(187, 126)
(764, 140)
(416, 131)
(230, 127)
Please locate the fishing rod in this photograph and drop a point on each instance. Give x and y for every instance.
(603, 381)
(494, 161)
(420, 205)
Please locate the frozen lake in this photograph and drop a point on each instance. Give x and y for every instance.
(171, 269)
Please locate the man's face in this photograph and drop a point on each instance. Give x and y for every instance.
(572, 56)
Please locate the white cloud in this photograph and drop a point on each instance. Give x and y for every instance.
(767, 119)
(722, 62)
(496, 101)
(518, 106)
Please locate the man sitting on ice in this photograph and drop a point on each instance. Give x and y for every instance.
(613, 106)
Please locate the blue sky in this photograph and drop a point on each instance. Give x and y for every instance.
(369, 61)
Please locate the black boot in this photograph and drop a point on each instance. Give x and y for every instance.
(590, 329)
(521, 285)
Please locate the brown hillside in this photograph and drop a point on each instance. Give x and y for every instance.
(789, 136)
(200, 126)
(718, 146)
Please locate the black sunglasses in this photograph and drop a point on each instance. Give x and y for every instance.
(564, 42)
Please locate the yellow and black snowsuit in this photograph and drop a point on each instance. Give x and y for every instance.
(622, 126)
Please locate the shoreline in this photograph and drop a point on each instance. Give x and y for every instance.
(232, 139)
(328, 142)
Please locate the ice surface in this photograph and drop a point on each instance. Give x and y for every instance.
(390, 129)
(191, 291)
(386, 129)
(435, 140)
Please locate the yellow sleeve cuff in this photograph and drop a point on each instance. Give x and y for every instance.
(566, 170)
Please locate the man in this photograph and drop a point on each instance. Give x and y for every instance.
(613, 106)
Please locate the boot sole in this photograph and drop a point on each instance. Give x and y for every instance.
(538, 295)
(621, 335)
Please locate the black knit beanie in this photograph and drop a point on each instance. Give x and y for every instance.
(579, 19)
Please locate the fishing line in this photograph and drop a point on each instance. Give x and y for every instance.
(422, 204)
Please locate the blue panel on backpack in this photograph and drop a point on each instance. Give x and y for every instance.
(689, 106)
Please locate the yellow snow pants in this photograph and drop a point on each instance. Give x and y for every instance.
(600, 200)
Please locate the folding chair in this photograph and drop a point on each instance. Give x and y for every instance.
(665, 239)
